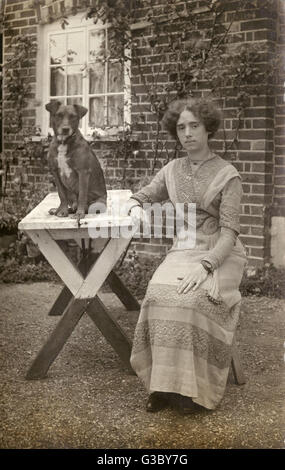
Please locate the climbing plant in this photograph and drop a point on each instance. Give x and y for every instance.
(189, 58)
(16, 69)
(185, 58)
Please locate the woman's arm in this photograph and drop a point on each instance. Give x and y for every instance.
(155, 191)
(228, 221)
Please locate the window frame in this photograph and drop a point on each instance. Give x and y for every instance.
(78, 23)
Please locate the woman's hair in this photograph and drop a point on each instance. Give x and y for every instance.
(203, 109)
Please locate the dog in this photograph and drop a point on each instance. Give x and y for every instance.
(77, 172)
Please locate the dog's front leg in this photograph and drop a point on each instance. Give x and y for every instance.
(62, 210)
(83, 182)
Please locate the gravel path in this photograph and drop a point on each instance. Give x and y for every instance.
(88, 400)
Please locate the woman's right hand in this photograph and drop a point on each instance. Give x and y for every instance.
(138, 214)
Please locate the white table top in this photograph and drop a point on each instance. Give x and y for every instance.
(40, 219)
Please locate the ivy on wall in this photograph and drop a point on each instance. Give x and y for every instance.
(23, 50)
(189, 56)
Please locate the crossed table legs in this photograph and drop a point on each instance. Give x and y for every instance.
(79, 296)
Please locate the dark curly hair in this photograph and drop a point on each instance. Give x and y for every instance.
(203, 109)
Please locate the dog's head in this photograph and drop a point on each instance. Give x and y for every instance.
(65, 118)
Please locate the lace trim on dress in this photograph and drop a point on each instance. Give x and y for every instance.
(191, 188)
(184, 184)
(167, 295)
(141, 198)
(172, 334)
(229, 217)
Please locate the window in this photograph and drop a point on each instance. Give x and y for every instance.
(76, 69)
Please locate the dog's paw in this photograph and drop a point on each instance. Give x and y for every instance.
(79, 214)
(72, 209)
(62, 212)
(53, 211)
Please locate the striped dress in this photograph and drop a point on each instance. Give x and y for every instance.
(182, 342)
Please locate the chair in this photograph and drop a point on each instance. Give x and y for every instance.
(236, 365)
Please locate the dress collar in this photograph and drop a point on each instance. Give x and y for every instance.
(198, 165)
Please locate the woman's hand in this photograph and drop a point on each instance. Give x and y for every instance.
(192, 280)
(139, 215)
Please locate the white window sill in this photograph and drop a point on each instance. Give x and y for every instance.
(89, 138)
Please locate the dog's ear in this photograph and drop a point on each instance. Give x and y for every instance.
(80, 110)
(53, 106)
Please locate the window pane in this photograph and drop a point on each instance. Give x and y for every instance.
(97, 44)
(115, 77)
(75, 48)
(57, 48)
(74, 80)
(62, 100)
(115, 110)
(96, 112)
(96, 78)
(114, 45)
(75, 100)
(57, 81)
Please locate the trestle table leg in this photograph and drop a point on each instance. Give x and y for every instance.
(111, 330)
(121, 291)
(65, 295)
(57, 339)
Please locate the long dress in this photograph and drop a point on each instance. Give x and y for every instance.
(182, 342)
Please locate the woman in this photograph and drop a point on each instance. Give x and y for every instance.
(182, 342)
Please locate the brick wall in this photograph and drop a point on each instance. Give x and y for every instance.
(279, 173)
(20, 18)
(254, 158)
(259, 157)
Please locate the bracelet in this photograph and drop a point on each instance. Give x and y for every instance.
(207, 265)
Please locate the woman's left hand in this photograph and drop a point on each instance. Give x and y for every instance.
(192, 280)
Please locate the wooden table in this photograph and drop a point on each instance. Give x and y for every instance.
(82, 281)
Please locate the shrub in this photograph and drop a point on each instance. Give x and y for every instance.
(16, 266)
(267, 281)
(136, 271)
(13, 272)
(8, 223)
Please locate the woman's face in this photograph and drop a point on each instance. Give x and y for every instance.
(191, 132)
